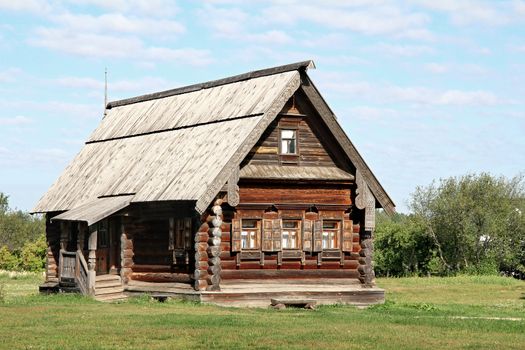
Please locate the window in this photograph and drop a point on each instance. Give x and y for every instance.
(291, 234)
(250, 234)
(103, 234)
(288, 141)
(330, 234)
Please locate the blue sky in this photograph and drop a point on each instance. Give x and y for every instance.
(425, 89)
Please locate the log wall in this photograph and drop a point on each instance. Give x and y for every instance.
(145, 253)
(270, 265)
(311, 149)
(53, 248)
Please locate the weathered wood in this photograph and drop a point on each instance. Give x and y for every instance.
(92, 261)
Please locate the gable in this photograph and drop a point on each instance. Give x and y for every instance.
(315, 145)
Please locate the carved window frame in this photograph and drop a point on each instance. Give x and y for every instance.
(289, 158)
(257, 230)
(333, 235)
(298, 231)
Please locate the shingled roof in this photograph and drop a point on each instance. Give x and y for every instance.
(171, 145)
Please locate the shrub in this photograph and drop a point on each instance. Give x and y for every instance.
(33, 255)
(8, 261)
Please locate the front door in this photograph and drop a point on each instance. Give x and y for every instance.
(103, 247)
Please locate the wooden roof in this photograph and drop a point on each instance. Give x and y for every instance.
(96, 210)
(292, 172)
(183, 144)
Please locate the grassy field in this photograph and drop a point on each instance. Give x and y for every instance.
(420, 313)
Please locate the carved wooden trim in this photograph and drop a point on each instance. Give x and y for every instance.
(365, 200)
(233, 188)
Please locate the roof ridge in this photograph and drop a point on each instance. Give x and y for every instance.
(304, 65)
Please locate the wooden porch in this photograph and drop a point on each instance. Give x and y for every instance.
(258, 293)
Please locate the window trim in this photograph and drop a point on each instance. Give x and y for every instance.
(281, 139)
(298, 229)
(336, 234)
(257, 235)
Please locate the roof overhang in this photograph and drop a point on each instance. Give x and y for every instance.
(96, 210)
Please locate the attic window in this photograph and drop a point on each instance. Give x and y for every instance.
(288, 141)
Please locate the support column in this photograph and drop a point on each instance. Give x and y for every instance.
(200, 274)
(365, 201)
(214, 248)
(81, 236)
(63, 243)
(92, 261)
(126, 251)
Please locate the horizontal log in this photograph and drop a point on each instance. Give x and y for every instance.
(276, 274)
(161, 277)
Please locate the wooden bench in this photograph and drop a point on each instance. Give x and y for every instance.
(283, 303)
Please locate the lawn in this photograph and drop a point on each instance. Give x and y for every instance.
(454, 313)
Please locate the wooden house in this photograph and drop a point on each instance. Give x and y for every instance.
(233, 191)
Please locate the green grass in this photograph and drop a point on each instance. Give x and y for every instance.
(455, 313)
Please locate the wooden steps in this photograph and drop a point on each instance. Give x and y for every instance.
(109, 288)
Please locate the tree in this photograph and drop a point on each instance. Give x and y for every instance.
(17, 227)
(402, 246)
(474, 221)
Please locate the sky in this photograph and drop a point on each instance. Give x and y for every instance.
(425, 89)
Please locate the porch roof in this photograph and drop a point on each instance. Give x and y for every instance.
(95, 210)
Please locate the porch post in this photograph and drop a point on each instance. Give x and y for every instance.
(63, 245)
(92, 261)
(80, 237)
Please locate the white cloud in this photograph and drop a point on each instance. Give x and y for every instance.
(108, 46)
(401, 50)
(234, 23)
(39, 7)
(155, 8)
(418, 95)
(370, 20)
(118, 23)
(10, 75)
(456, 68)
(466, 12)
(437, 68)
(16, 121)
(142, 85)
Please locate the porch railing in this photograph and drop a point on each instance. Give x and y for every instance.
(73, 271)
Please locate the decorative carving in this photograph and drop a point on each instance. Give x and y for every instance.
(365, 200)
(233, 188)
(278, 104)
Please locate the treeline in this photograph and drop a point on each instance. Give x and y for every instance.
(22, 239)
(471, 224)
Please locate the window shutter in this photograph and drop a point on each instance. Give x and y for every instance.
(307, 235)
(236, 235)
(187, 233)
(171, 242)
(267, 235)
(318, 236)
(277, 234)
(347, 235)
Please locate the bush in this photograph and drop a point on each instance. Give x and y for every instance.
(8, 261)
(33, 255)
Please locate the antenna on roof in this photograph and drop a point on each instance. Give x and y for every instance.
(105, 90)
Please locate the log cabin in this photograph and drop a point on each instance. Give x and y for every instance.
(236, 191)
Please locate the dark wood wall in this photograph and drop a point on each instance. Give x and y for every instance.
(311, 150)
(53, 247)
(146, 255)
